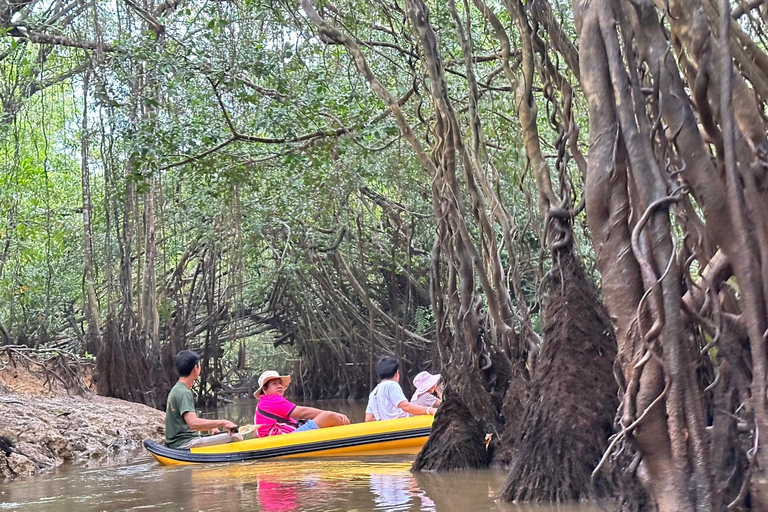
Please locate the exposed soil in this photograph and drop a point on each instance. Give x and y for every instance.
(45, 424)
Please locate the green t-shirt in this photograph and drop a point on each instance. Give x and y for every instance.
(180, 400)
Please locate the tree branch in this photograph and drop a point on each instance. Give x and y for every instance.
(307, 138)
(22, 32)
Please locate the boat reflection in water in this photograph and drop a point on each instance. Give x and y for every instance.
(318, 485)
(384, 484)
(276, 497)
(377, 483)
(398, 491)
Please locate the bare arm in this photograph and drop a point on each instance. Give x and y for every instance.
(319, 416)
(414, 409)
(201, 424)
(304, 413)
(369, 417)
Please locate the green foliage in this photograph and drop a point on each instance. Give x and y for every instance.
(39, 196)
(424, 320)
(311, 137)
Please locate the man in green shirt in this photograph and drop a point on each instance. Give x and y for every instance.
(182, 426)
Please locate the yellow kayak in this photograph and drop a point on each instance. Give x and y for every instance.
(391, 437)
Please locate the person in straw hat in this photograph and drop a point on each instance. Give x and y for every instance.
(426, 386)
(277, 415)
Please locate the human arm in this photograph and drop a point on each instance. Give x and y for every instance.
(416, 410)
(310, 413)
(393, 394)
(304, 413)
(201, 424)
(369, 416)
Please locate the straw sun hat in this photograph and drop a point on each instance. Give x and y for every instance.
(268, 376)
(424, 382)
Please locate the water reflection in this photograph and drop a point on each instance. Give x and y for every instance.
(382, 484)
(398, 492)
(276, 497)
(391, 492)
(330, 484)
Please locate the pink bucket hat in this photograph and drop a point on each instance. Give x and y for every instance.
(424, 382)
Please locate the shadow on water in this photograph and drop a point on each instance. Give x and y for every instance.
(372, 483)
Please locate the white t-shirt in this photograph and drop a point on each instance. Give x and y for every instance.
(383, 401)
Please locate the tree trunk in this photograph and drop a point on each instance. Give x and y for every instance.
(91, 307)
(572, 400)
(662, 412)
(121, 366)
(151, 323)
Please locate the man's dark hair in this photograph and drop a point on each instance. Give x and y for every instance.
(386, 367)
(186, 360)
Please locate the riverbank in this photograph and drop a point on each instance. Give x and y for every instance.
(44, 424)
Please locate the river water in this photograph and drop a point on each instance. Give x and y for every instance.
(136, 482)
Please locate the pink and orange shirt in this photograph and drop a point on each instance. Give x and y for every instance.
(274, 405)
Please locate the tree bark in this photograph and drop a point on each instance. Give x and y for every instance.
(91, 308)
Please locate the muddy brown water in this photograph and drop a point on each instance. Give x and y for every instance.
(136, 482)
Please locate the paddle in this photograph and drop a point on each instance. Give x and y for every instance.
(246, 429)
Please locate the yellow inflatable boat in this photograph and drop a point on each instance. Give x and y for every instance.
(401, 436)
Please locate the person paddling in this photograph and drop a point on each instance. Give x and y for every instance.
(182, 426)
(277, 415)
(387, 401)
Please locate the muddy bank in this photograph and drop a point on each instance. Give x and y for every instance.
(43, 424)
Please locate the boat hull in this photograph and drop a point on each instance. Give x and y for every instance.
(392, 437)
